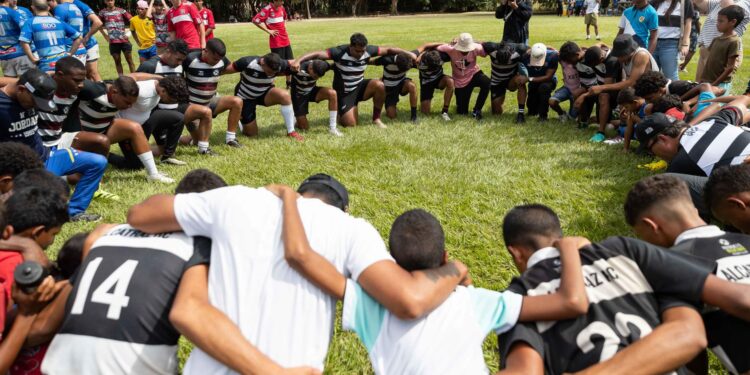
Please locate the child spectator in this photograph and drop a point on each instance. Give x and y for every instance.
(725, 49)
(570, 55)
(632, 111)
(144, 31)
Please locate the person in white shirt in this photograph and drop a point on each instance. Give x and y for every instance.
(277, 310)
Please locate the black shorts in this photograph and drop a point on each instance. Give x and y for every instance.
(499, 90)
(284, 52)
(427, 90)
(117, 48)
(393, 92)
(350, 99)
(193, 125)
(301, 102)
(248, 108)
(728, 114)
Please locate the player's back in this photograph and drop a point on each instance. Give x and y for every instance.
(10, 20)
(117, 315)
(48, 35)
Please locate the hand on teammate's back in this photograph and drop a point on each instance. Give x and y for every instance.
(32, 303)
(301, 371)
(578, 242)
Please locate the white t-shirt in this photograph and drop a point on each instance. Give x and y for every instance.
(285, 316)
(148, 99)
(592, 6)
(446, 341)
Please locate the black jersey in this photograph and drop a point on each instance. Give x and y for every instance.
(348, 71)
(392, 75)
(97, 112)
(503, 71)
(429, 75)
(154, 66)
(302, 81)
(202, 78)
(254, 82)
(629, 283)
(726, 334)
(117, 315)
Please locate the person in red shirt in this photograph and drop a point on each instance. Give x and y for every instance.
(271, 19)
(115, 19)
(184, 22)
(208, 19)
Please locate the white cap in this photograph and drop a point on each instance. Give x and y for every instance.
(465, 43)
(142, 4)
(538, 54)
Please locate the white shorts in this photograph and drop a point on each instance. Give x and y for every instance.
(92, 54)
(16, 66)
(66, 140)
(81, 58)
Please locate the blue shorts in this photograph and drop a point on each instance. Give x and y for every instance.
(562, 94)
(704, 95)
(727, 86)
(522, 70)
(147, 53)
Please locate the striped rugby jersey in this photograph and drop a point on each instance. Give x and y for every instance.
(392, 76)
(202, 79)
(427, 75)
(154, 66)
(51, 123)
(10, 30)
(349, 72)
(50, 36)
(86, 11)
(73, 16)
(254, 82)
(629, 284)
(274, 19)
(96, 111)
(504, 71)
(302, 82)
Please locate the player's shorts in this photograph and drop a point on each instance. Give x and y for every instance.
(81, 57)
(92, 54)
(66, 140)
(392, 93)
(193, 125)
(562, 94)
(725, 339)
(249, 106)
(350, 99)
(427, 90)
(591, 19)
(523, 70)
(284, 52)
(117, 48)
(16, 66)
(499, 90)
(301, 102)
(147, 53)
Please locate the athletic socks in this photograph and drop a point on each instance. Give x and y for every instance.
(521, 108)
(147, 159)
(231, 136)
(445, 109)
(332, 119)
(414, 113)
(288, 113)
(202, 146)
(376, 113)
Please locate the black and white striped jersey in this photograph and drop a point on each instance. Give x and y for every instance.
(95, 108)
(117, 315)
(503, 71)
(302, 82)
(392, 76)
(50, 126)
(155, 66)
(254, 82)
(349, 72)
(592, 76)
(428, 75)
(202, 79)
(727, 335)
(629, 284)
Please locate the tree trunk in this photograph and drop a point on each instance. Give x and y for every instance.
(394, 7)
(307, 3)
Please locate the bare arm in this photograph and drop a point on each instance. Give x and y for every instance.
(570, 300)
(139, 76)
(50, 319)
(733, 298)
(150, 9)
(676, 341)
(639, 67)
(320, 55)
(27, 51)
(395, 50)
(28, 248)
(546, 77)
(263, 27)
(96, 24)
(701, 5)
(202, 33)
(740, 102)
(685, 42)
(103, 30)
(728, 69)
(523, 360)
(652, 37)
(154, 215)
(428, 46)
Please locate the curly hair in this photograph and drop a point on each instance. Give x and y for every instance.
(176, 87)
(651, 191)
(17, 157)
(649, 83)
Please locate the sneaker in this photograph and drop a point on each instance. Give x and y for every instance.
(379, 124)
(160, 177)
(615, 141)
(83, 216)
(598, 137)
(520, 118)
(172, 160)
(101, 194)
(654, 166)
(445, 116)
(588, 37)
(296, 136)
(598, 37)
(335, 132)
(564, 117)
(234, 143)
(477, 115)
(208, 152)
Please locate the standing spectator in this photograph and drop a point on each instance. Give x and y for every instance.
(516, 14)
(724, 50)
(695, 29)
(115, 20)
(91, 25)
(271, 20)
(208, 19)
(12, 58)
(159, 17)
(592, 18)
(641, 21)
(541, 63)
(673, 20)
(50, 37)
(184, 22)
(709, 32)
(571, 7)
(69, 13)
(559, 8)
(144, 31)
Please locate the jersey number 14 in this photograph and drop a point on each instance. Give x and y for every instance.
(118, 280)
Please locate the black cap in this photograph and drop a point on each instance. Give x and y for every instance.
(324, 179)
(650, 127)
(41, 86)
(624, 45)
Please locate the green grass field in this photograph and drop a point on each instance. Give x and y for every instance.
(466, 173)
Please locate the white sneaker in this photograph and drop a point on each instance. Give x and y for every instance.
(588, 37)
(159, 177)
(564, 117)
(615, 141)
(335, 132)
(445, 116)
(380, 124)
(598, 37)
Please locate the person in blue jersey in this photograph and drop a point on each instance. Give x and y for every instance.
(91, 25)
(49, 35)
(19, 102)
(23, 11)
(12, 58)
(69, 13)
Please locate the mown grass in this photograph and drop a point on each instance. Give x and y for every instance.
(466, 173)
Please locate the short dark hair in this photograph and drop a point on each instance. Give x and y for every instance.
(70, 256)
(403, 61)
(272, 61)
(126, 86)
(527, 225)
(41, 178)
(176, 87)
(179, 46)
(417, 240)
(665, 103)
(198, 181)
(3, 219)
(325, 193)
(626, 96)
(650, 191)
(650, 83)
(216, 46)
(675, 129)
(593, 56)
(432, 59)
(68, 63)
(320, 67)
(17, 157)
(358, 39)
(34, 206)
(569, 50)
(733, 12)
(725, 181)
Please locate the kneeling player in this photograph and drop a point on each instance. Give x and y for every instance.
(431, 77)
(305, 90)
(506, 58)
(396, 83)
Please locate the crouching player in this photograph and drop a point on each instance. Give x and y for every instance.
(305, 90)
